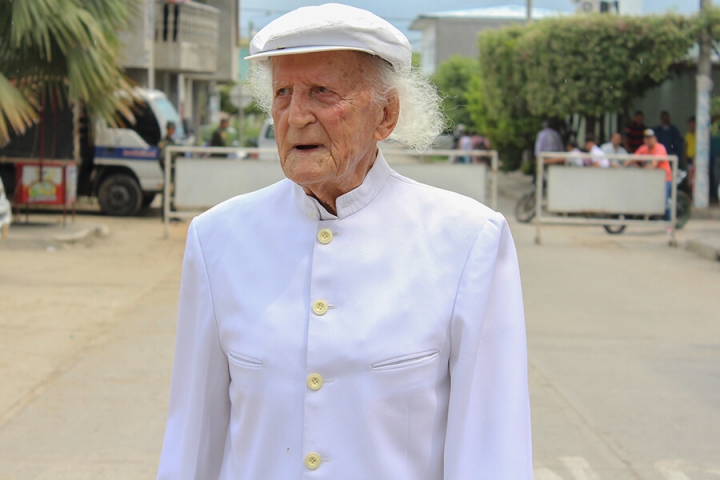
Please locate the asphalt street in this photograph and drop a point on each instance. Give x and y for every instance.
(623, 332)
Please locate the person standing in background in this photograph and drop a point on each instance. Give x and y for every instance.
(669, 135)
(548, 140)
(466, 146)
(634, 132)
(690, 142)
(479, 142)
(219, 136)
(167, 141)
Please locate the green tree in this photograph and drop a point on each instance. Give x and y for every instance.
(225, 103)
(495, 101)
(592, 64)
(69, 47)
(587, 64)
(452, 79)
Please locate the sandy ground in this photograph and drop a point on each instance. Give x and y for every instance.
(624, 340)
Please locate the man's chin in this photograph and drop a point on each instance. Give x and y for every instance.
(306, 169)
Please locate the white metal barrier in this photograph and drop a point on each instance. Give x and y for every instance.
(603, 196)
(193, 185)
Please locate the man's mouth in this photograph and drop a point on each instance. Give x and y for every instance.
(307, 147)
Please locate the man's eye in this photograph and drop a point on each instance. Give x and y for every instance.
(282, 92)
(323, 90)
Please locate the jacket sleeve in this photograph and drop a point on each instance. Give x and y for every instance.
(199, 409)
(488, 432)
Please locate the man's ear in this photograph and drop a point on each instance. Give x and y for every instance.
(391, 113)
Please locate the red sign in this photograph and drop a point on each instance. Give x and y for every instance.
(51, 184)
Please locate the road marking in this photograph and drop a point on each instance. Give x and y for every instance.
(546, 474)
(669, 469)
(579, 468)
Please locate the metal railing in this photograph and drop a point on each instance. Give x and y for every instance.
(544, 217)
(187, 22)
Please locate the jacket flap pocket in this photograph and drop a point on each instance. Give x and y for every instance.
(244, 360)
(405, 360)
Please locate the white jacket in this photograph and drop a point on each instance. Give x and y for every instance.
(384, 343)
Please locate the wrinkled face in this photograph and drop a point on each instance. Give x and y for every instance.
(616, 139)
(326, 123)
(650, 142)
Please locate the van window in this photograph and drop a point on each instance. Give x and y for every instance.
(270, 132)
(169, 114)
(146, 124)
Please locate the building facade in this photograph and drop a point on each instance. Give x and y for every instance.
(184, 48)
(455, 32)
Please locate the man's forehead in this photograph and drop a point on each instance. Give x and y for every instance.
(337, 66)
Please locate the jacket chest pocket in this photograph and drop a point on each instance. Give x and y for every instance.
(244, 361)
(414, 370)
(247, 374)
(405, 361)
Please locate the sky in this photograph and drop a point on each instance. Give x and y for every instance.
(402, 12)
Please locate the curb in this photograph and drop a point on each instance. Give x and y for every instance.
(51, 241)
(705, 247)
(100, 231)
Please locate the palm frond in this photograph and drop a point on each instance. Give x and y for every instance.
(63, 46)
(15, 111)
(40, 24)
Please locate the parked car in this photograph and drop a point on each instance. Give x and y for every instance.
(266, 139)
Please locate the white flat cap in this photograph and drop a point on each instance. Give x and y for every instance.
(331, 27)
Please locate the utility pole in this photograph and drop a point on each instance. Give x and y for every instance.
(150, 41)
(701, 189)
(529, 10)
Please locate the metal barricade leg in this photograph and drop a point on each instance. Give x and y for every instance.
(166, 195)
(538, 197)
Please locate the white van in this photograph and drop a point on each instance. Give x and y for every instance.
(119, 166)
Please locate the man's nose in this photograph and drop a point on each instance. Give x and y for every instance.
(300, 110)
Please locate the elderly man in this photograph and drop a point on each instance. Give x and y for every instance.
(614, 147)
(347, 323)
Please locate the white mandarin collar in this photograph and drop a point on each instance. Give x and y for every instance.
(351, 202)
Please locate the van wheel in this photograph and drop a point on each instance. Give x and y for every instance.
(120, 195)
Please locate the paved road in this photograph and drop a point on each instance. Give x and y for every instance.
(624, 337)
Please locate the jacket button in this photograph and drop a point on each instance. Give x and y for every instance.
(312, 461)
(320, 307)
(325, 236)
(315, 381)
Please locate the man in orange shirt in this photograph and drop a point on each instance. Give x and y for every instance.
(652, 147)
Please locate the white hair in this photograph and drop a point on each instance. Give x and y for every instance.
(421, 119)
